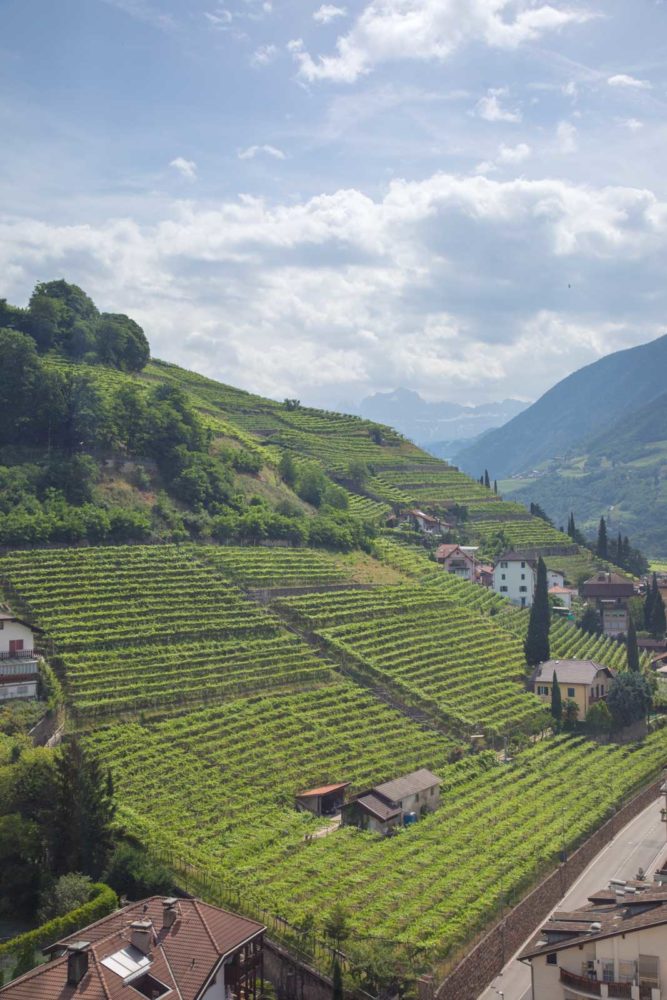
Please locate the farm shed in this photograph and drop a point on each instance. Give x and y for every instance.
(323, 801)
(386, 806)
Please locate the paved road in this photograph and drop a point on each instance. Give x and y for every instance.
(640, 844)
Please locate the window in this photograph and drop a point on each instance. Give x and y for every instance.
(503, 590)
(543, 689)
(523, 565)
(570, 692)
(607, 970)
(503, 576)
(552, 958)
(627, 971)
(503, 565)
(523, 576)
(523, 590)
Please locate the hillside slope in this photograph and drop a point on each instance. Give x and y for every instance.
(621, 473)
(580, 406)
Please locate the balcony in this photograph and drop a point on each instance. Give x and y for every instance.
(585, 987)
(20, 654)
(9, 669)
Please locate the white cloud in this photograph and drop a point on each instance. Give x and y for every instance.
(514, 154)
(186, 168)
(263, 55)
(344, 292)
(328, 12)
(623, 80)
(252, 151)
(631, 123)
(431, 29)
(491, 110)
(566, 137)
(220, 18)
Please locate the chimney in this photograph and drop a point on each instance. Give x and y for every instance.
(77, 962)
(141, 935)
(169, 911)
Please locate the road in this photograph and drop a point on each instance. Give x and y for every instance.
(640, 844)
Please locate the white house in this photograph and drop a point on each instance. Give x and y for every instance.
(514, 577)
(555, 578)
(615, 946)
(19, 673)
(565, 595)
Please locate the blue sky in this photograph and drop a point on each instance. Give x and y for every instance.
(464, 197)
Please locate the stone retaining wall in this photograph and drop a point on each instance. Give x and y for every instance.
(486, 960)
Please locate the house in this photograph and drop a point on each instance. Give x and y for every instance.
(514, 577)
(323, 801)
(180, 948)
(614, 946)
(457, 560)
(19, 669)
(555, 578)
(401, 801)
(484, 575)
(583, 681)
(426, 522)
(565, 595)
(610, 592)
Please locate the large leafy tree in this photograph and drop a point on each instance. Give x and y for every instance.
(629, 699)
(536, 645)
(19, 384)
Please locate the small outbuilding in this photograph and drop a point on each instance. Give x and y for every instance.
(389, 805)
(323, 801)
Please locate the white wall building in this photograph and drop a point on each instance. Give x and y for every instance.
(19, 672)
(514, 578)
(614, 947)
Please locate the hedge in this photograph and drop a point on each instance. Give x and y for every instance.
(103, 902)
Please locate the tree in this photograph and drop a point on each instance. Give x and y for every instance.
(336, 924)
(132, 872)
(19, 384)
(658, 624)
(66, 894)
(598, 719)
(84, 813)
(649, 600)
(536, 645)
(495, 486)
(358, 472)
(602, 546)
(629, 699)
(590, 621)
(570, 714)
(632, 650)
(337, 992)
(287, 468)
(487, 481)
(556, 708)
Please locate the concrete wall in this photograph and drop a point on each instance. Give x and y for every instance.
(293, 980)
(487, 958)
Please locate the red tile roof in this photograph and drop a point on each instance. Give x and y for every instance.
(323, 790)
(183, 956)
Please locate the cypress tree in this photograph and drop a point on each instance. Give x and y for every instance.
(658, 622)
(651, 595)
(602, 547)
(632, 649)
(487, 481)
(495, 486)
(536, 645)
(556, 700)
(570, 525)
(83, 814)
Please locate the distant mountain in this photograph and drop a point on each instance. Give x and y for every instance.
(583, 405)
(621, 473)
(425, 422)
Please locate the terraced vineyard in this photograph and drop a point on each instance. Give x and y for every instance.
(526, 534)
(434, 885)
(221, 781)
(276, 567)
(157, 676)
(99, 597)
(432, 652)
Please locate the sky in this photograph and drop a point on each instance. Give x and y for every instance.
(467, 198)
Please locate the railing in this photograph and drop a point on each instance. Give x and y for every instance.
(593, 987)
(20, 654)
(20, 668)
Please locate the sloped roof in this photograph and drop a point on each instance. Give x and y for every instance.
(619, 916)
(409, 784)
(322, 790)
(9, 616)
(448, 549)
(372, 804)
(183, 956)
(570, 671)
(512, 556)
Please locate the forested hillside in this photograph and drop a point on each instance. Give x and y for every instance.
(582, 405)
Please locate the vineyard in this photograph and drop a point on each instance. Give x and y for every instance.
(432, 652)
